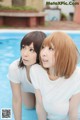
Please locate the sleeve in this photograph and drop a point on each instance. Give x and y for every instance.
(35, 76)
(77, 84)
(77, 89)
(13, 73)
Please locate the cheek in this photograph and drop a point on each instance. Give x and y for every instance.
(21, 53)
(40, 54)
(34, 57)
(53, 59)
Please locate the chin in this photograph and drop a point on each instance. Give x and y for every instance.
(26, 64)
(45, 66)
(30, 64)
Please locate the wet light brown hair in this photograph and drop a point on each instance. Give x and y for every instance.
(65, 53)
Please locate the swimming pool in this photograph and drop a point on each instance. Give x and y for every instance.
(9, 51)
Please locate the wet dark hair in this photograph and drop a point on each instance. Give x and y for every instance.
(35, 37)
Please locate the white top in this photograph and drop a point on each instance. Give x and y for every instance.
(55, 94)
(19, 75)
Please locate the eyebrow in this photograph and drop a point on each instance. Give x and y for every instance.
(23, 45)
(31, 47)
(52, 45)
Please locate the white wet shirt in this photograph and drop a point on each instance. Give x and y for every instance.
(19, 76)
(55, 94)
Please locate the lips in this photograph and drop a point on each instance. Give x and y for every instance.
(44, 61)
(25, 60)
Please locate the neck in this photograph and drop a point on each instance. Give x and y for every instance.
(52, 74)
(28, 70)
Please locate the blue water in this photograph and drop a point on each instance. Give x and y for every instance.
(9, 51)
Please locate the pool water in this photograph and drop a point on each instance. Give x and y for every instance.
(9, 51)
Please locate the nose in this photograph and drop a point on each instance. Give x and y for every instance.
(44, 52)
(26, 53)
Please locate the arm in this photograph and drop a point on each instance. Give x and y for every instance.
(16, 100)
(73, 107)
(39, 106)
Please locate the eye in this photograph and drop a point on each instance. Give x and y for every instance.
(50, 48)
(23, 46)
(31, 49)
(43, 47)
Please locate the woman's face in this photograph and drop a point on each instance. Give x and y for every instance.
(28, 55)
(47, 55)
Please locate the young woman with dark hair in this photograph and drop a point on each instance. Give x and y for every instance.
(22, 88)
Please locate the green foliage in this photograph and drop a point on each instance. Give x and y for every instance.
(18, 8)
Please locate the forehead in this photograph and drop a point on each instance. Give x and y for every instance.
(48, 43)
(31, 45)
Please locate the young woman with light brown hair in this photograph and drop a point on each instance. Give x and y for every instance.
(57, 82)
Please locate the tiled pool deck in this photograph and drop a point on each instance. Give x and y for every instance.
(60, 25)
(55, 25)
